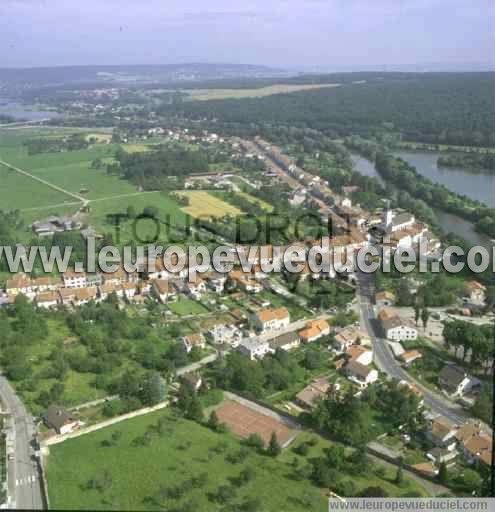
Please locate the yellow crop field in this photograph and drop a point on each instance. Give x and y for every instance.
(135, 148)
(220, 94)
(203, 204)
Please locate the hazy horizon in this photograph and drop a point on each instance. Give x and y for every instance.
(334, 35)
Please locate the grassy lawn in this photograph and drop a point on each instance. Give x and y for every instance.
(203, 204)
(143, 476)
(185, 307)
(185, 450)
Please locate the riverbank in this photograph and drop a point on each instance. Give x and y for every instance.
(448, 222)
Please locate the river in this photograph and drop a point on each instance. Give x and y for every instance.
(475, 185)
(450, 223)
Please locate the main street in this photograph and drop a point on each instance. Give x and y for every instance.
(24, 486)
(386, 362)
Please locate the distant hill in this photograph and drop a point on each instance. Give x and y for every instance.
(66, 75)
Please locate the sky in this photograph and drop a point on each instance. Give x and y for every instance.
(291, 34)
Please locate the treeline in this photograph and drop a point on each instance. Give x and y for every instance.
(10, 226)
(4, 119)
(446, 108)
(471, 161)
(476, 341)
(154, 170)
(73, 142)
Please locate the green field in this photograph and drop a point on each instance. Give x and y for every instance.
(157, 474)
(18, 192)
(70, 170)
(185, 307)
(168, 211)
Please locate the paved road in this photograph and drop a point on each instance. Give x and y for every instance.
(24, 485)
(386, 362)
(196, 366)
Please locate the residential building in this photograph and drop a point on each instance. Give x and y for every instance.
(46, 283)
(350, 336)
(359, 354)
(360, 374)
(254, 348)
(410, 356)
(84, 295)
(271, 319)
(246, 282)
(442, 456)
(478, 448)
(67, 296)
(222, 334)
(455, 380)
(396, 328)
(20, 283)
(316, 390)
(193, 340)
(60, 420)
(217, 281)
(314, 330)
(286, 341)
(196, 289)
(163, 289)
(441, 433)
(74, 279)
(47, 299)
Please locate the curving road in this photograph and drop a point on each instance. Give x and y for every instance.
(24, 486)
(386, 362)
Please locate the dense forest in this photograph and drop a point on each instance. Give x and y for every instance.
(453, 108)
(155, 170)
(471, 161)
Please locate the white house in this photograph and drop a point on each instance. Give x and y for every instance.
(254, 348)
(74, 279)
(271, 319)
(395, 328)
(222, 334)
(359, 354)
(360, 374)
